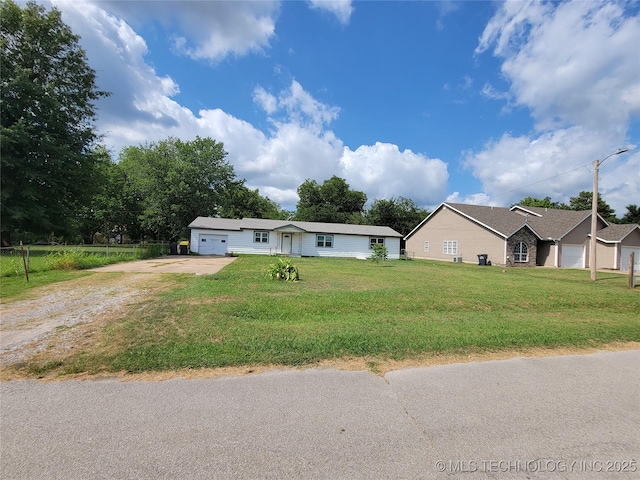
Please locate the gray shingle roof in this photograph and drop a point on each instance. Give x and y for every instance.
(499, 219)
(211, 223)
(616, 233)
(553, 223)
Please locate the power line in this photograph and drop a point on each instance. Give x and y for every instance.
(540, 181)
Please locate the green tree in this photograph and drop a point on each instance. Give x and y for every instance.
(380, 253)
(401, 214)
(176, 182)
(632, 215)
(332, 202)
(583, 202)
(243, 202)
(545, 202)
(115, 208)
(47, 105)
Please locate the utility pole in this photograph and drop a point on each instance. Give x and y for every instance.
(594, 212)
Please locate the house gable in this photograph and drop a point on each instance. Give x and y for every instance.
(555, 224)
(619, 233)
(449, 233)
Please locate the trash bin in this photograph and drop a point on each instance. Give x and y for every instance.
(173, 248)
(482, 259)
(184, 248)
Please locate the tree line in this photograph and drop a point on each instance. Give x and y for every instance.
(583, 201)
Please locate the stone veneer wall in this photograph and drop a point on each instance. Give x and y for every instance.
(522, 235)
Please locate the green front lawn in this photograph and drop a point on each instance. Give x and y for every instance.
(353, 308)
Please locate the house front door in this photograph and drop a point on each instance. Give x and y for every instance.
(286, 242)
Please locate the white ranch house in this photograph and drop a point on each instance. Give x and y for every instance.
(221, 236)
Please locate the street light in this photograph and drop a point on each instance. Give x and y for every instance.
(594, 212)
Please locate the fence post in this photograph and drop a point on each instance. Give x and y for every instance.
(632, 275)
(24, 261)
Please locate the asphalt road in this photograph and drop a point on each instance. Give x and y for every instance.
(556, 417)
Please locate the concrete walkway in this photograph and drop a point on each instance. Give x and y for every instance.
(537, 418)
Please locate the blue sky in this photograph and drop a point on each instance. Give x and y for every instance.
(475, 102)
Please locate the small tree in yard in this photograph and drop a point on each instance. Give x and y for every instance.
(380, 253)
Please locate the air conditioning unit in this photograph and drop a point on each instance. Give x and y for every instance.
(457, 259)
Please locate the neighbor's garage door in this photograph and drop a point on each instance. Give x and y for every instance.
(572, 256)
(624, 261)
(212, 244)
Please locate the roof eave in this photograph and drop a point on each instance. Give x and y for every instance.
(520, 207)
(530, 229)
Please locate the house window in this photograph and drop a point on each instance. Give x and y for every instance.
(450, 247)
(261, 237)
(426, 247)
(324, 241)
(375, 240)
(521, 253)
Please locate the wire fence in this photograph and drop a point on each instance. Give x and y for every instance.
(48, 249)
(22, 259)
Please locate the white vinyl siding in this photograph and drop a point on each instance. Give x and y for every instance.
(347, 246)
(450, 247)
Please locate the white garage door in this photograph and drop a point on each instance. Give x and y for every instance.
(572, 256)
(212, 244)
(624, 261)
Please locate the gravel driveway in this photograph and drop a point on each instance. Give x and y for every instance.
(58, 316)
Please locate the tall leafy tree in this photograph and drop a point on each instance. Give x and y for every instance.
(632, 215)
(47, 105)
(115, 208)
(177, 181)
(583, 202)
(545, 202)
(243, 202)
(401, 214)
(332, 202)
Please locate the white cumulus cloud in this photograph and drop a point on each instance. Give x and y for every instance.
(342, 9)
(574, 65)
(205, 30)
(383, 171)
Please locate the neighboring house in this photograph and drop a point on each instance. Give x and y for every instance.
(219, 236)
(520, 236)
(615, 244)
